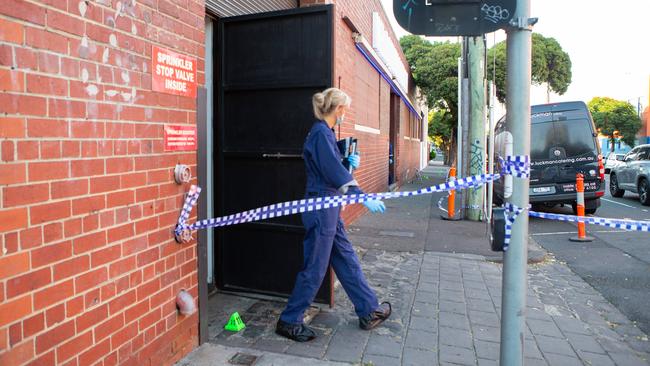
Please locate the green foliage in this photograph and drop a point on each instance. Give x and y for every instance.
(550, 64)
(435, 70)
(442, 127)
(612, 115)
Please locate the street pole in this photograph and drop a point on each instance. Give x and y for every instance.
(490, 187)
(464, 146)
(464, 112)
(513, 310)
(459, 128)
(476, 138)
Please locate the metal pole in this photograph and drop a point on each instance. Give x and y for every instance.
(465, 147)
(513, 310)
(459, 127)
(476, 135)
(490, 150)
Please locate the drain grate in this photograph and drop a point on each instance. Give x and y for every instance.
(243, 359)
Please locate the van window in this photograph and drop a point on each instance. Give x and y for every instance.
(575, 137)
(542, 139)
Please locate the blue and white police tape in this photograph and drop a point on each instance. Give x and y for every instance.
(512, 212)
(183, 230)
(630, 225)
(518, 166)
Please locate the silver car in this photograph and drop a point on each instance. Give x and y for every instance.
(633, 174)
(613, 160)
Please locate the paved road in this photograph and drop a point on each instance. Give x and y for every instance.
(616, 263)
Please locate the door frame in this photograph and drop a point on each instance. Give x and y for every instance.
(219, 115)
(393, 136)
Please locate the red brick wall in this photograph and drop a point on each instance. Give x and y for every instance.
(370, 102)
(89, 269)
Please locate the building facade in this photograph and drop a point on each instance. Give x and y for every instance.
(101, 100)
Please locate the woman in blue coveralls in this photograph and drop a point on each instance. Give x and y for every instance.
(325, 240)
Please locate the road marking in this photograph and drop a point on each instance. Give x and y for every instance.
(573, 232)
(618, 203)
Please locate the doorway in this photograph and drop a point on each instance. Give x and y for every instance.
(393, 139)
(269, 66)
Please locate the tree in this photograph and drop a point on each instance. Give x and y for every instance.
(435, 71)
(550, 65)
(615, 118)
(441, 128)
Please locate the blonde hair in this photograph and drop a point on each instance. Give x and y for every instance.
(326, 101)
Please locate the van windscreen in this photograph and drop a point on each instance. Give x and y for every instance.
(542, 137)
(573, 136)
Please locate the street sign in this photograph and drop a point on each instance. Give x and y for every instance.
(453, 17)
(173, 73)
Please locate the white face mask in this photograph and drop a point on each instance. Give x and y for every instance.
(339, 120)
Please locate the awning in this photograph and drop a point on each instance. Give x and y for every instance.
(367, 53)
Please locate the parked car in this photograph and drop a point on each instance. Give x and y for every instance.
(613, 160)
(633, 174)
(563, 143)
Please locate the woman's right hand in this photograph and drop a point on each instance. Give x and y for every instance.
(375, 206)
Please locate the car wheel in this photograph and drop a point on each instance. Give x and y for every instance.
(644, 192)
(613, 186)
(590, 211)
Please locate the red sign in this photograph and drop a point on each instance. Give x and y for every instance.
(180, 138)
(173, 73)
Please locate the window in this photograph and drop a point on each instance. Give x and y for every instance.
(631, 155)
(575, 136)
(543, 141)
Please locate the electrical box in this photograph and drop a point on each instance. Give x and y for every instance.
(498, 229)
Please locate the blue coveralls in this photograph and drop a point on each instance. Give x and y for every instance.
(325, 241)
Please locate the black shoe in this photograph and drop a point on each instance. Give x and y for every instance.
(296, 332)
(376, 317)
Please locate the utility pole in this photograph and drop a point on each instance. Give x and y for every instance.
(476, 138)
(490, 186)
(459, 128)
(513, 310)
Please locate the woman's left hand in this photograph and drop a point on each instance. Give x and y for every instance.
(354, 160)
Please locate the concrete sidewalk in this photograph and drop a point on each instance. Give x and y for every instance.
(446, 304)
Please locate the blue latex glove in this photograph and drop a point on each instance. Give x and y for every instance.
(375, 206)
(354, 160)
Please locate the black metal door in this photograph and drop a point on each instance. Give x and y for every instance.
(270, 65)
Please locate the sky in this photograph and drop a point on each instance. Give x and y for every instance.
(608, 42)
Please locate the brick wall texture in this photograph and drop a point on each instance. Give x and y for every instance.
(89, 270)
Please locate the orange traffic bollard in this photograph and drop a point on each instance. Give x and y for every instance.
(580, 204)
(451, 203)
(451, 199)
